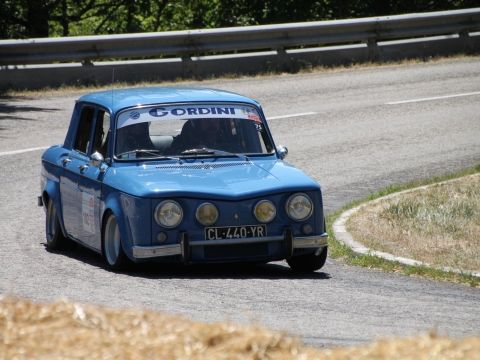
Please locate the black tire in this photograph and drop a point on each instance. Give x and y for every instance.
(112, 245)
(308, 263)
(53, 232)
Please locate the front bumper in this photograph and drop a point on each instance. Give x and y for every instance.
(185, 246)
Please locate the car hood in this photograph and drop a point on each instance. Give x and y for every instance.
(234, 179)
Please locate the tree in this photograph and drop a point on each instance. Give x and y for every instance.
(25, 18)
(43, 18)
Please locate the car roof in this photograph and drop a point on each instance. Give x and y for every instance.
(117, 99)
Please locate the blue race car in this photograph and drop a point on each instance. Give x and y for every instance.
(179, 174)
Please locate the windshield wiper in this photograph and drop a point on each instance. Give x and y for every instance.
(208, 151)
(202, 151)
(156, 154)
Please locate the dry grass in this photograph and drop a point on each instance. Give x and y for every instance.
(65, 330)
(68, 330)
(439, 225)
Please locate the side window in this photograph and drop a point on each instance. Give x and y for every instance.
(83, 130)
(102, 135)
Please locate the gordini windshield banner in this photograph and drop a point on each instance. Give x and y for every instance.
(159, 113)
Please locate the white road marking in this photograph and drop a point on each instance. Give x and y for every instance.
(433, 98)
(14, 152)
(291, 115)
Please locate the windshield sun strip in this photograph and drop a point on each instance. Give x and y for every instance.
(256, 107)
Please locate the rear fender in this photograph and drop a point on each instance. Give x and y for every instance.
(51, 191)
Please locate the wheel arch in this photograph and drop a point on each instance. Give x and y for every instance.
(113, 207)
(51, 192)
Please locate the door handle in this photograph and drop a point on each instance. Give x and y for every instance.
(83, 167)
(66, 161)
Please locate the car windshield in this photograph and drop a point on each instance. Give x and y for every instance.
(191, 131)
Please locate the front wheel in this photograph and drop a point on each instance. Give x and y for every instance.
(53, 232)
(112, 245)
(308, 263)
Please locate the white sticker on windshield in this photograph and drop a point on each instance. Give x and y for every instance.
(187, 112)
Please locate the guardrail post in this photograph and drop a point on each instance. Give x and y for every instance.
(188, 67)
(467, 42)
(372, 49)
(282, 63)
(87, 62)
(285, 62)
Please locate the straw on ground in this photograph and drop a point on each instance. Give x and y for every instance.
(66, 330)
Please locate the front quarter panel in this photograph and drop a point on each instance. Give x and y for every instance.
(133, 215)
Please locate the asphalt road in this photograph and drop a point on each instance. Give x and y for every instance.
(354, 139)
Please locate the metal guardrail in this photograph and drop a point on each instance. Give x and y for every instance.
(88, 60)
(230, 40)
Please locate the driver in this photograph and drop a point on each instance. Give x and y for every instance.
(134, 137)
(198, 134)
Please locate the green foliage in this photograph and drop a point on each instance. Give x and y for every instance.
(34, 18)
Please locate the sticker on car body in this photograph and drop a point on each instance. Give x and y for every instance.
(88, 213)
(175, 112)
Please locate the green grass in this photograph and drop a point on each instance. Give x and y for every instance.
(339, 251)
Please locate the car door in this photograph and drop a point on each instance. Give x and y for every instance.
(73, 164)
(90, 182)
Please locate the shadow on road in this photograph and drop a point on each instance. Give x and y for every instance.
(276, 270)
(10, 111)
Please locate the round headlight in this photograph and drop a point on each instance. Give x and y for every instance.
(265, 211)
(299, 207)
(168, 214)
(207, 214)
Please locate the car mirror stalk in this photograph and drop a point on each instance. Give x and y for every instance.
(96, 159)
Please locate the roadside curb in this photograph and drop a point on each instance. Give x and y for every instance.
(342, 235)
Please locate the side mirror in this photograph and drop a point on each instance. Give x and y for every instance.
(282, 151)
(96, 159)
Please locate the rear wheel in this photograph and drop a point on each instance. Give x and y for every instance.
(112, 245)
(53, 232)
(308, 263)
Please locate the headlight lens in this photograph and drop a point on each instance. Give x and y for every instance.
(265, 211)
(168, 214)
(299, 207)
(207, 214)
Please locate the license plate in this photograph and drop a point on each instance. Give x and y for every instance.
(235, 232)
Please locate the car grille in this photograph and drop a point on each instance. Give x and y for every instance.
(205, 166)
